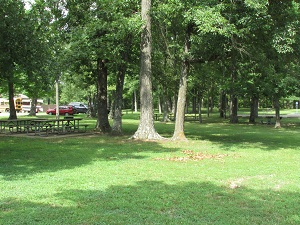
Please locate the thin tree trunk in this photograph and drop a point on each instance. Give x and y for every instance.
(174, 104)
(233, 109)
(223, 105)
(181, 101)
(146, 128)
(112, 105)
(117, 124)
(180, 112)
(200, 107)
(194, 101)
(12, 109)
(159, 105)
(165, 105)
(33, 107)
(135, 101)
(253, 109)
(277, 113)
(233, 96)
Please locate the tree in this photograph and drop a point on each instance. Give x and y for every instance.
(146, 128)
(12, 39)
(181, 101)
(102, 46)
(125, 42)
(23, 50)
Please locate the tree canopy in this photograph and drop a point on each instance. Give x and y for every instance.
(241, 49)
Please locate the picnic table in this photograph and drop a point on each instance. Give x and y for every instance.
(42, 126)
(14, 125)
(58, 126)
(264, 119)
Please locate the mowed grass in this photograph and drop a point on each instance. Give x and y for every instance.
(225, 174)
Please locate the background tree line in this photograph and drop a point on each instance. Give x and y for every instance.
(219, 52)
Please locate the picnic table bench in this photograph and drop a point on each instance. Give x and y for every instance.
(43, 126)
(190, 117)
(264, 119)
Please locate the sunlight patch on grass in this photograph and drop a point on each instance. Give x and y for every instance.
(233, 175)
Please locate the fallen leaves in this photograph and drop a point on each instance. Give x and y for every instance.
(194, 156)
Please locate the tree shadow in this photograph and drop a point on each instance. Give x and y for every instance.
(230, 136)
(23, 157)
(154, 202)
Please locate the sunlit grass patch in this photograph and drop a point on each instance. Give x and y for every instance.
(224, 174)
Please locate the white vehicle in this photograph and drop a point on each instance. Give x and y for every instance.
(4, 105)
(22, 104)
(26, 105)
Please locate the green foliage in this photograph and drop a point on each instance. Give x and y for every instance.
(26, 47)
(210, 20)
(65, 38)
(104, 31)
(13, 37)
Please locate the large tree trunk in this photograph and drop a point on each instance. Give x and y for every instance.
(146, 128)
(102, 122)
(180, 112)
(12, 109)
(277, 113)
(253, 109)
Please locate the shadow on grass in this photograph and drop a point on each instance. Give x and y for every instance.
(152, 202)
(22, 157)
(234, 136)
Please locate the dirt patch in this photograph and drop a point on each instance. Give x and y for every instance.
(190, 155)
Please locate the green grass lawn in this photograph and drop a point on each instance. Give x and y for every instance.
(225, 174)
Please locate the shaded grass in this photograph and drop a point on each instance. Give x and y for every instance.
(113, 180)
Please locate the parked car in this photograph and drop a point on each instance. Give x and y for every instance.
(63, 110)
(79, 107)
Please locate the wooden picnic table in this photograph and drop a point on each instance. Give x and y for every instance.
(42, 126)
(14, 125)
(264, 119)
(59, 126)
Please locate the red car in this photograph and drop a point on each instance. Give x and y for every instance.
(63, 110)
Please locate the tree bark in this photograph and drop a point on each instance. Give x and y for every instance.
(223, 104)
(233, 92)
(200, 106)
(233, 109)
(12, 109)
(135, 102)
(117, 116)
(102, 121)
(33, 107)
(146, 130)
(165, 105)
(253, 109)
(181, 101)
(277, 113)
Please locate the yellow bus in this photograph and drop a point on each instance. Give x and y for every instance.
(4, 104)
